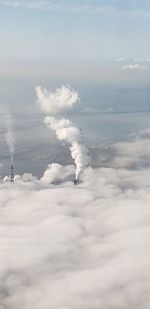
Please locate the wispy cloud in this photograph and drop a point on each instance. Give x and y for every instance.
(53, 5)
(132, 60)
(133, 67)
(108, 7)
(32, 4)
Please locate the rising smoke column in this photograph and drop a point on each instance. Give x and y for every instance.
(65, 131)
(9, 135)
(64, 98)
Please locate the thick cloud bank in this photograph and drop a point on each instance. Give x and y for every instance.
(76, 247)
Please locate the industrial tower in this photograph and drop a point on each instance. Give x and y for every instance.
(12, 174)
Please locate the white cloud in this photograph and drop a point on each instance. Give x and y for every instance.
(133, 63)
(133, 154)
(84, 246)
(133, 67)
(122, 59)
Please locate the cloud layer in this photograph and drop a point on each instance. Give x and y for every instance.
(85, 246)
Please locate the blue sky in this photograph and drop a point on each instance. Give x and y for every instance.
(91, 29)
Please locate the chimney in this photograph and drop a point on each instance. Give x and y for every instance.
(12, 174)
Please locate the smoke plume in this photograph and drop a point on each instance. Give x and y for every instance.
(10, 139)
(53, 102)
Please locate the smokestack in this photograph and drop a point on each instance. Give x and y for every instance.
(12, 173)
(76, 181)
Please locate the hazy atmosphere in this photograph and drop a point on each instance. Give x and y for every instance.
(74, 154)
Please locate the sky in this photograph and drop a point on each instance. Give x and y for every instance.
(75, 29)
(85, 44)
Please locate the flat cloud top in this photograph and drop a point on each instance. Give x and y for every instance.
(86, 246)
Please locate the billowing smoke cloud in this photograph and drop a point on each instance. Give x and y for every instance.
(53, 102)
(55, 173)
(76, 247)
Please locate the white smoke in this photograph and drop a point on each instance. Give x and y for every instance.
(55, 173)
(9, 135)
(52, 102)
(66, 131)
